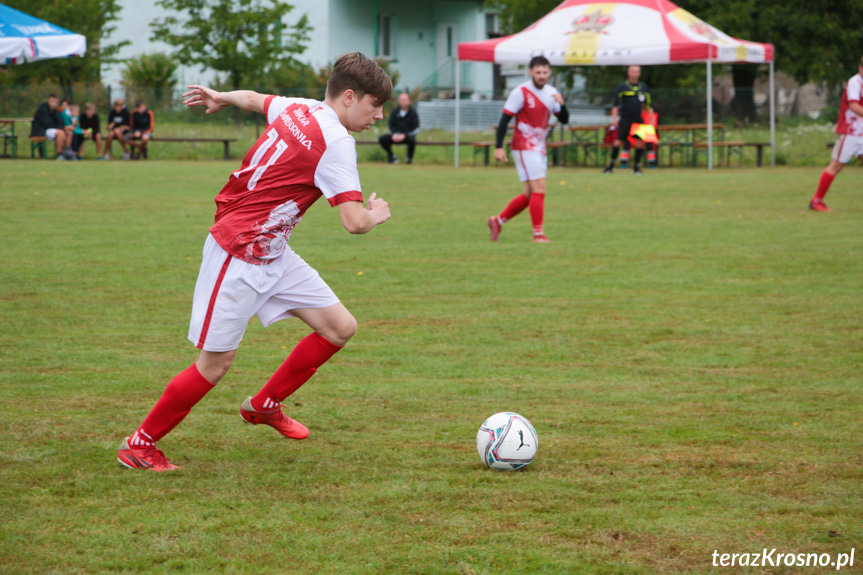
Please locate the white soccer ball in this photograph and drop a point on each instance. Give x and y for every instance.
(506, 441)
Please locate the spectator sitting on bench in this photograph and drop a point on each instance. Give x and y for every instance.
(69, 118)
(88, 129)
(119, 122)
(404, 126)
(70, 125)
(47, 123)
(142, 130)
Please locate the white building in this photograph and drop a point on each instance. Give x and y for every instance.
(419, 37)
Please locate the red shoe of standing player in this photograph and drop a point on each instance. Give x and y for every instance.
(541, 240)
(144, 458)
(494, 226)
(819, 206)
(274, 418)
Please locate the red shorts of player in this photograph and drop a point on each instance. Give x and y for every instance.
(531, 165)
(847, 147)
(230, 291)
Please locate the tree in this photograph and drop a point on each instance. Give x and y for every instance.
(814, 40)
(819, 40)
(240, 38)
(155, 73)
(93, 19)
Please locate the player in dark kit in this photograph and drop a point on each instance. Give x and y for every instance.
(630, 99)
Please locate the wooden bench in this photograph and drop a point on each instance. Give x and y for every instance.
(419, 143)
(9, 141)
(38, 143)
(226, 142)
(559, 152)
(10, 138)
(732, 147)
(482, 147)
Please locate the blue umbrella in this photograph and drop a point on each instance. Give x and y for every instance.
(24, 38)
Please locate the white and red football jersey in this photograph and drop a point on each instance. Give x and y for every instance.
(304, 153)
(532, 109)
(850, 123)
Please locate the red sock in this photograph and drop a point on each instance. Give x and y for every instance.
(184, 391)
(515, 207)
(311, 353)
(537, 211)
(823, 186)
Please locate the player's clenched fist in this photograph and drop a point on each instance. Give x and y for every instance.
(379, 208)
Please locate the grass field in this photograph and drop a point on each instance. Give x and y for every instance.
(688, 348)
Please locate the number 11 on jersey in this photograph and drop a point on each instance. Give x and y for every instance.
(281, 146)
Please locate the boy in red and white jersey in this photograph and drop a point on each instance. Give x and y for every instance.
(248, 268)
(532, 105)
(850, 141)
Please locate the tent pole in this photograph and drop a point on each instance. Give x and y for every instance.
(709, 108)
(457, 100)
(772, 120)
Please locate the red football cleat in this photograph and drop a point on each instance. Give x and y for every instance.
(494, 226)
(144, 458)
(819, 206)
(541, 240)
(275, 419)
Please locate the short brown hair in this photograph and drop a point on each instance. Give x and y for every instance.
(354, 71)
(538, 61)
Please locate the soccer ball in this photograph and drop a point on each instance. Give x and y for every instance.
(506, 441)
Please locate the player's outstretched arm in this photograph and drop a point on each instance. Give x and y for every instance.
(358, 219)
(215, 101)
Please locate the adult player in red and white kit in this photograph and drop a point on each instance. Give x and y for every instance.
(249, 269)
(850, 140)
(532, 105)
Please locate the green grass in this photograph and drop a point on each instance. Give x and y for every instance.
(688, 348)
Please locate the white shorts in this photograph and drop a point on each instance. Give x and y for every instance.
(230, 291)
(51, 134)
(531, 165)
(846, 147)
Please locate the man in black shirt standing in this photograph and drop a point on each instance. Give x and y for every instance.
(404, 126)
(630, 99)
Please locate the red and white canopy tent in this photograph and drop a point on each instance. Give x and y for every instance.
(622, 32)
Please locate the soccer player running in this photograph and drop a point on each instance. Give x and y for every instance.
(532, 104)
(249, 269)
(850, 140)
(630, 99)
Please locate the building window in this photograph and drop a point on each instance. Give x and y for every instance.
(449, 41)
(385, 36)
(492, 26)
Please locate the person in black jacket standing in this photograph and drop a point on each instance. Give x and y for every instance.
(404, 126)
(630, 99)
(47, 123)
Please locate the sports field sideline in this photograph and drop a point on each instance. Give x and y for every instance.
(688, 348)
